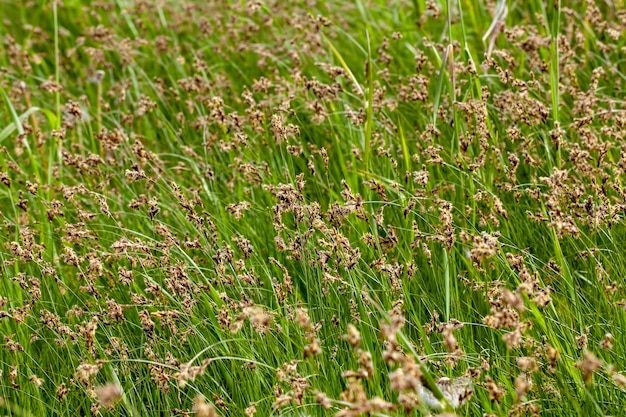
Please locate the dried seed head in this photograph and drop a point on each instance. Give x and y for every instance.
(97, 77)
(607, 342)
(523, 384)
(353, 337)
(495, 392)
(85, 372)
(108, 394)
(588, 366)
(203, 409)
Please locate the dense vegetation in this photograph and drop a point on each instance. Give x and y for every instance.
(312, 208)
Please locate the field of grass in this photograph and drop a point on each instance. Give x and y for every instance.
(312, 208)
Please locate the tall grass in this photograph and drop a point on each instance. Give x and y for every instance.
(312, 208)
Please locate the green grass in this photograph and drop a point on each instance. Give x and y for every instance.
(390, 168)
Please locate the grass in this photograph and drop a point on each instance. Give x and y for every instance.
(312, 208)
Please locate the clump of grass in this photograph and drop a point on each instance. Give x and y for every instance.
(293, 208)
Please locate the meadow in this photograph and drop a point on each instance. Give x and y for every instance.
(312, 208)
